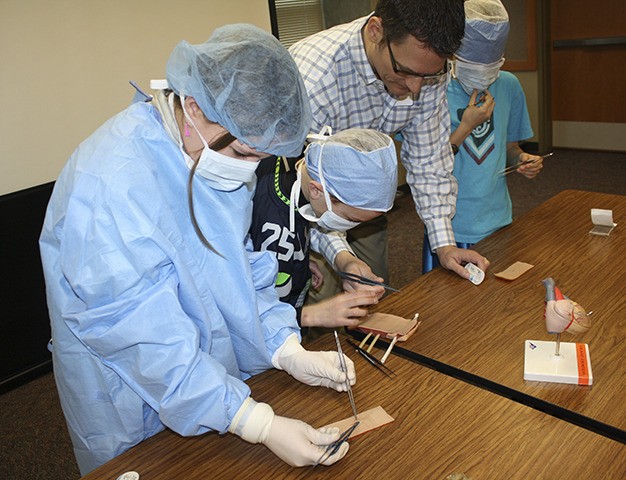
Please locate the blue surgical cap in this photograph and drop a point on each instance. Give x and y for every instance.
(360, 168)
(245, 80)
(486, 31)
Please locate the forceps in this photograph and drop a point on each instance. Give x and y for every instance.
(372, 359)
(333, 448)
(364, 280)
(344, 368)
(512, 168)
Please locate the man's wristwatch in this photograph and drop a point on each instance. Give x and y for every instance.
(455, 148)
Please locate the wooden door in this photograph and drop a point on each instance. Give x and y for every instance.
(588, 71)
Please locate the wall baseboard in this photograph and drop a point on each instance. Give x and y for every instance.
(23, 377)
(597, 136)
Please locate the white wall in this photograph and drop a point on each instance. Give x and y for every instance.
(65, 67)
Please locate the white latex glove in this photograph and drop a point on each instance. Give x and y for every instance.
(299, 444)
(293, 441)
(313, 368)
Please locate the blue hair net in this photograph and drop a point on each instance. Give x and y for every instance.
(360, 168)
(245, 80)
(486, 31)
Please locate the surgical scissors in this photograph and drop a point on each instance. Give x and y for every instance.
(332, 448)
(344, 368)
(352, 277)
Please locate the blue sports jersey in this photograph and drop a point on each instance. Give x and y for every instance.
(270, 229)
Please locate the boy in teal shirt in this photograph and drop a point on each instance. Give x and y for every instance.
(485, 132)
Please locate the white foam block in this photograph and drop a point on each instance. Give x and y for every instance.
(573, 365)
(602, 222)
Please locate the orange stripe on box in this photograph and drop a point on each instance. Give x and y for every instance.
(583, 366)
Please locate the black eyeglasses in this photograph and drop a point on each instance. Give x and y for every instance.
(409, 74)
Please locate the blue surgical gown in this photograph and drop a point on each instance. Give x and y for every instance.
(151, 329)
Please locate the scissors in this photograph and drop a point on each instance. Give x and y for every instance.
(372, 359)
(332, 448)
(344, 368)
(512, 168)
(364, 280)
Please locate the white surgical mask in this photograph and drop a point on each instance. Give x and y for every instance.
(224, 172)
(333, 222)
(476, 75)
(329, 220)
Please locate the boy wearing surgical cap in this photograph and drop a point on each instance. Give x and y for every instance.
(344, 179)
(489, 118)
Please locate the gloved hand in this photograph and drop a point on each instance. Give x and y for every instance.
(299, 444)
(313, 368)
(293, 441)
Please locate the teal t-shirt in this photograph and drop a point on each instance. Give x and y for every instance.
(483, 204)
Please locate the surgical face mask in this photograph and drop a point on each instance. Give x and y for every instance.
(476, 75)
(329, 220)
(224, 172)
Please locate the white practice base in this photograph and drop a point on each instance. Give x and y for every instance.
(573, 365)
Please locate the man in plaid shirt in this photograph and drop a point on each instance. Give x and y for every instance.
(388, 72)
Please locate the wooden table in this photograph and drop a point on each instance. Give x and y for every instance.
(477, 333)
(443, 426)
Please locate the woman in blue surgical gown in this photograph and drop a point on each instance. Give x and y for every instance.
(159, 307)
